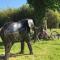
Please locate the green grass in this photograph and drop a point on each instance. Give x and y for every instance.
(43, 50)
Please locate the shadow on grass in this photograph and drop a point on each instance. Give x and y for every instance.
(12, 55)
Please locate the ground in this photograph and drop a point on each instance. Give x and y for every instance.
(43, 50)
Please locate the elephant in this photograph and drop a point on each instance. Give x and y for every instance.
(12, 32)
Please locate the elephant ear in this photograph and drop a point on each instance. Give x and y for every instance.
(30, 23)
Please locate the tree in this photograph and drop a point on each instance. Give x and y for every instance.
(5, 15)
(41, 6)
(16, 14)
(23, 12)
(53, 18)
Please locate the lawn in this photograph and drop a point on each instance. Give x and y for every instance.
(43, 50)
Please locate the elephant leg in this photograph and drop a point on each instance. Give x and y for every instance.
(30, 47)
(22, 47)
(29, 44)
(8, 46)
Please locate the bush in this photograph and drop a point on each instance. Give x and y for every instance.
(53, 19)
(16, 14)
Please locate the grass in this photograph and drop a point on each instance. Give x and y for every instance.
(43, 50)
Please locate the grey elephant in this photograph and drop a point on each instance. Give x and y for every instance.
(16, 31)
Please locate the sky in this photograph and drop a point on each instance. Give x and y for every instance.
(11, 3)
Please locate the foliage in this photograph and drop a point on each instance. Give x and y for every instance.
(37, 13)
(5, 16)
(41, 6)
(23, 12)
(16, 14)
(53, 18)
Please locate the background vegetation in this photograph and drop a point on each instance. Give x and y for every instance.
(41, 6)
(39, 11)
(16, 14)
